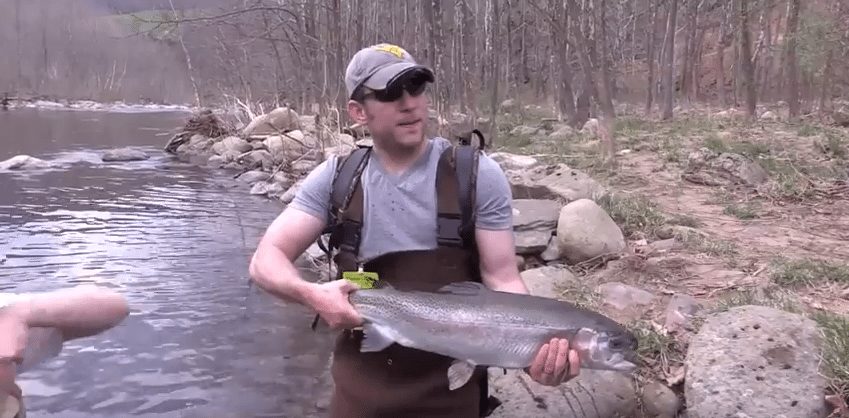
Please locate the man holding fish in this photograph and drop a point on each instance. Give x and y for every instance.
(400, 225)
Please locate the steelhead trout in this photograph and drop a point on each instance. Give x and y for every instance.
(478, 326)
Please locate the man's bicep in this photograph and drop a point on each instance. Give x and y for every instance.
(498, 260)
(303, 220)
(293, 231)
(494, 210)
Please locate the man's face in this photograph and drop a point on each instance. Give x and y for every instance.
(399, 123)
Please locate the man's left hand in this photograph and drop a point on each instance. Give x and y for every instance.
(555, 363)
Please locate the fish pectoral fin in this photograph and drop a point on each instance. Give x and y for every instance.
(459, 374)
(374, 339)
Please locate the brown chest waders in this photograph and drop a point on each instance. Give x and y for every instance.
(402, 382)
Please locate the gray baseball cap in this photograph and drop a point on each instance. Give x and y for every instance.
(378, 65)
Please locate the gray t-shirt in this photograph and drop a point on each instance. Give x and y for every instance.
(400, 210)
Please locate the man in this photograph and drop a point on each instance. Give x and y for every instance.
(396, 200)
(34, 326)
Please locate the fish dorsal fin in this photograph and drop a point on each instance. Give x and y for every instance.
(466, 288)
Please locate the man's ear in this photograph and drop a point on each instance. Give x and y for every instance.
(357, 112)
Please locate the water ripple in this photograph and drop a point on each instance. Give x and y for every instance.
(176, 240)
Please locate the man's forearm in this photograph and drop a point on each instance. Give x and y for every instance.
(275, 273)
(77, 312)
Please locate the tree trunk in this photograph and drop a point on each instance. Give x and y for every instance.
(669, 62)
(651, 36)
(747, 70)
(790, 58)
(559, 25)
(495, 63)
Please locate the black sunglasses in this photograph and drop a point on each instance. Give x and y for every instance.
(413, 83)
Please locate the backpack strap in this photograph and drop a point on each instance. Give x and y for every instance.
(456, 183)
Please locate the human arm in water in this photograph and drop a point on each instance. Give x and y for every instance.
(77, 312)
(554, 363)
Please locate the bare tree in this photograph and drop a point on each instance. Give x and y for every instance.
(793, 7)
(669, 62)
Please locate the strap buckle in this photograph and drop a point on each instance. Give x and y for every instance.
(448, 230)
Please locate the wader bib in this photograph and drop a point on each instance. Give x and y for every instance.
(400, 382)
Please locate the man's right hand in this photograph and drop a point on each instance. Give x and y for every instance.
(330, 301)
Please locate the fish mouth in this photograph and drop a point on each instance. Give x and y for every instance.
(624, 363)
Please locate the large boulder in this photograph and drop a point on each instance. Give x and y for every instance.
(513, 162)
(232, 144)
(712, 168)
(534, 221)
(586, 231)
(593, 394)
(124, 154)
(279, 120)
(23, 162)
(556, 182)
(291, 146)
(547, 281)
(755, 361)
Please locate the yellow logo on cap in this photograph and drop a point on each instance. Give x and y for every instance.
(392, 49)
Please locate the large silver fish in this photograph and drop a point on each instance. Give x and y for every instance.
(478, 326)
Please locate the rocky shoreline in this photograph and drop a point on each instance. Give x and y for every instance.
(8, 103)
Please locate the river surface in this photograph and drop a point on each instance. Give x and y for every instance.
(175, 239)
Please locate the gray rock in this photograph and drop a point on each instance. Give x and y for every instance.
(508, 161)
(755, 361)
(593, 394)
(624, 297)
(534, 221)
(585, 231)
(546, 281)
(23, 162)
(267, 188)
(231, 143)
(253, 176)
(289, 195)
(680, 312)
(523, 130)
(261, 158)
(659, 401)
(558, 182)
(531, 242)
(124, 154)
(535, 214)
(590, 128)
(281, 119)
(216, 161)
(552, 251)
(718, 169)
(562, 132)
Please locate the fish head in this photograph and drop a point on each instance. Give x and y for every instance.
(607, 349)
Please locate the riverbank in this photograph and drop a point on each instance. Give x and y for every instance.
(14, 102)
(710, 229)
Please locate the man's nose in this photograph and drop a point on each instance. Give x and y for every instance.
(405, 102)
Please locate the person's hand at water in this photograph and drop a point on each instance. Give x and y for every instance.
(330, 301)
(13, 339)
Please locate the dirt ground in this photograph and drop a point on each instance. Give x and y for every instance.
(781, 243)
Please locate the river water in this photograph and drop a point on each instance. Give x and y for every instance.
(176, 240)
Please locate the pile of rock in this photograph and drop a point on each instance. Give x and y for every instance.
(272, 153)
